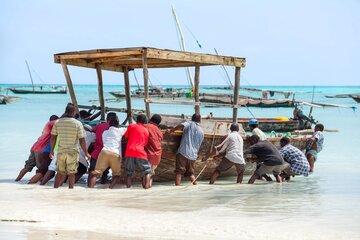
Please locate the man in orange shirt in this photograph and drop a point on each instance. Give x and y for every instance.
(153, 147)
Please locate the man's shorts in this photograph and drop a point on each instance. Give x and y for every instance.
(132, 163)
(105, 160)
(67, 163)
(226, 164)
(184, 166)
(313, 153)
(276, 170)
(31, 162)
(42, 162)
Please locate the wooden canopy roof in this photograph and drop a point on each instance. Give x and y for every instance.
(119, 58)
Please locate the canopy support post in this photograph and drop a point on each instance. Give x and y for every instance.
(196, 89)
(100, 91)
(127, 95)
(69, 85)
(146, 83)
(236, 94)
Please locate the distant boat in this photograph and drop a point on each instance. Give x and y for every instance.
(356, 98)
(41, 89)
(4, 99)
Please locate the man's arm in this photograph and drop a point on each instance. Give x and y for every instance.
(83, 147)
(52, 145)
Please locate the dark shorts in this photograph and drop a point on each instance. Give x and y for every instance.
(132, 163)
(92, 164)
(82, 169)
(226, 164)
(184, 166)
(42, 162)
(31, 162)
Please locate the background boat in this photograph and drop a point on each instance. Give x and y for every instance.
(38, 89)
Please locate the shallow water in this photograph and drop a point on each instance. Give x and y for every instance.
(325, 205)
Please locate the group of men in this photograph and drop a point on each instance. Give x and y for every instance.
(67, 149)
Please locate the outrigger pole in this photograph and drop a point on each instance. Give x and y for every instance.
(69, 85)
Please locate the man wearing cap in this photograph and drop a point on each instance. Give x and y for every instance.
(255, 130)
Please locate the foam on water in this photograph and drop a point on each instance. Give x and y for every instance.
(323, 206)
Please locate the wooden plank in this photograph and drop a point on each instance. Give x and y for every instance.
(196, 57)
(100, 91)
(236, 93)
(146, 84)
(93, 55)
(70, 85)
(127, 94)
(196, 89)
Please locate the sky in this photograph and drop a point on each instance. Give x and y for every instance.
(298, 42)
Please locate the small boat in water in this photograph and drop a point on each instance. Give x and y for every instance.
(356, 98)
(4, 99)
(153, 92)
(41, 89)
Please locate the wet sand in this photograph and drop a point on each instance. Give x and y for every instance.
(225, 210)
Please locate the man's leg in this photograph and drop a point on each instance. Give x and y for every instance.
(129, 168)
(47, 177)
(253, 178)
(59, 179)
(21, 174)
(180, 164)
(91, 168)
(153, 168)
(240, 169)
(36, 178)
(214, 176)
(105, 177)
(115, 166)
(29, 165)
(71, 179)
(177, 179)
(311, 160)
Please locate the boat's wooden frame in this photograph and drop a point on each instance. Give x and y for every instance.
(127, 59)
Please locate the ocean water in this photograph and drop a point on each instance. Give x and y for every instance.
(325, 205)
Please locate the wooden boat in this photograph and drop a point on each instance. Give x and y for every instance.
(153, 92)
(347, 95)
(165, 170)
(356, 98)
(39, 90)
(4, 99)
(227, 99)
(42, 89)
(126, 59)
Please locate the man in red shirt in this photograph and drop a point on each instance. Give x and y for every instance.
(39, 154)
(153, 147)
(98, 146)
(137, 137)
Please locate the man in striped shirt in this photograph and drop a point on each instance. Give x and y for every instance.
(70, 133)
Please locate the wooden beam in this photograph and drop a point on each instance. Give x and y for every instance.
(127, 94)
(70, 85)
(236, 93)
(146, 83)
(199, 58)
(100, 91)
(196, 89)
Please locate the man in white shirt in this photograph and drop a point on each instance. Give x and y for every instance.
(110, 155)
(255, 130)
(233, 148)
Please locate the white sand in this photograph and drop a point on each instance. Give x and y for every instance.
(164, 212)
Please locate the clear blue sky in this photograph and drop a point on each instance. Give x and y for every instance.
(300, 42)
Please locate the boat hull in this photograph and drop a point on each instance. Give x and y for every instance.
(22, 91)
(165, 170)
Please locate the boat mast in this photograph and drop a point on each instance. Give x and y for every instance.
(32, 81)
(182, 43)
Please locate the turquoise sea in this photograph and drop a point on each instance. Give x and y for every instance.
(325, 205)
